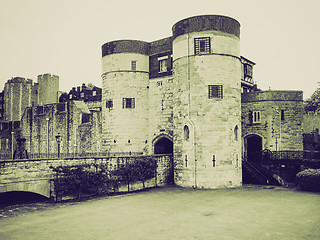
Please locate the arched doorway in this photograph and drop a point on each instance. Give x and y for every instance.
(253, 147)
(163, 146)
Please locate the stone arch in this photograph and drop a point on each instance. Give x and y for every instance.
(20, 197)
(162, 144)
(41, 187)
(253, 146)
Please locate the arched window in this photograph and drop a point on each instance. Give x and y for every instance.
(186, 132)
(236, 133)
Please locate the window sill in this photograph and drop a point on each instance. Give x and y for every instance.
(86, 124)
(256, 123)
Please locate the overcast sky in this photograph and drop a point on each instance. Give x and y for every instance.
(64, 37)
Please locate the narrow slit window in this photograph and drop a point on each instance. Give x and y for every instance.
(134, 65)
(236, 133)
(282, 115)
(186, 132)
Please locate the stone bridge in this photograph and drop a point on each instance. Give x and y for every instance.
(37, 176)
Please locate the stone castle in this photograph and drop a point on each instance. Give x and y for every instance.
(191, 95)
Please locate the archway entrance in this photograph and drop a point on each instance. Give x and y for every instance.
(163, 146)
(253, 148)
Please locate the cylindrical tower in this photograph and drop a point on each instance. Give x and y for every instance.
(207, 102)
(48, 89)
(125, 75)
(17, 96)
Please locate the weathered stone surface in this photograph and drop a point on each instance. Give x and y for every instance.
(278, 133)
(37, 175)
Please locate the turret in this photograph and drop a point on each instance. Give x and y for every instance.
(207, 102)
(125, 78)
(48, 91)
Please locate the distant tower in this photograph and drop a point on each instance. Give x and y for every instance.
(207, 102)
(48, 89)
(18, 94)
(125, 78)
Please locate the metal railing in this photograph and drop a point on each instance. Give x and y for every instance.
(72, 155)
(264, 178)
(291, 155)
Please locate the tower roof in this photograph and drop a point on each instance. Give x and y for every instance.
(205, 23)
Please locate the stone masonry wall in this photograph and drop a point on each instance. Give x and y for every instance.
(40, 130)
(210, 158)
(48, 89)
(160, 108)
(270, 104)
(35, 175)
(18, 94)
(125, 129)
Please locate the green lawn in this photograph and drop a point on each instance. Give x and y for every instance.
(249, 212)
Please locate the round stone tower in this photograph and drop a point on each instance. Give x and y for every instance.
(207, 102)
(48, 91)
(125, 76)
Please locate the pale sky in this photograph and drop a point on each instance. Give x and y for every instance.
(64, 37)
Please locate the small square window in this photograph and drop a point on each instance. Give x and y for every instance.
(202, 45)
(16, 124)
(134, 65)
(94, 93)
(40, 110)
(163, 65)
(70, 96)
(256, 117)
(248, 70)
(85, 118)
(61, 107)
(215, 91)
(109, 104)
(128, 103)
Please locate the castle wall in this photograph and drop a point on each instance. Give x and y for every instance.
(270, 104)
(160, 108)
(40, 129)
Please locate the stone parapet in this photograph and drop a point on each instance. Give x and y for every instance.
(272, 96)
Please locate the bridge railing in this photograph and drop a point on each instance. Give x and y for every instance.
(4, 156)
(291, 155)
(8, 157)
